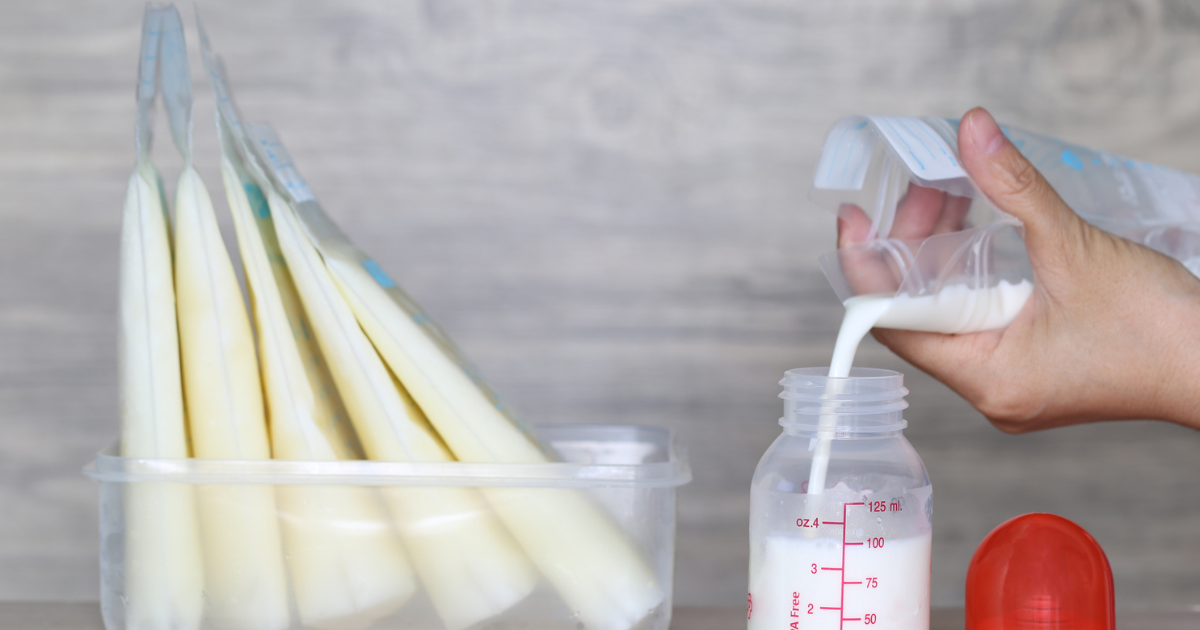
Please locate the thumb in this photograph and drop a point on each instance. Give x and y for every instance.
(1013, 184)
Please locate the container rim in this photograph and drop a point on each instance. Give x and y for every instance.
(670, 468)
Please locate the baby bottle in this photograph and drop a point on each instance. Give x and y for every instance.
(840, 510)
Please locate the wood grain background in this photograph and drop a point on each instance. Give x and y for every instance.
(605, 204)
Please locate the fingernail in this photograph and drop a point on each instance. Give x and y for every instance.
(985, 134)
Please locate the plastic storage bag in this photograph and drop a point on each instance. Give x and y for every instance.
(968, 270)
(469, 566)
(346, 564)
(598, 571)
(600, 574)
(245, 583)
(161, 582)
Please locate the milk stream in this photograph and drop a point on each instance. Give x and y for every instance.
(955, 309)
(877, 571)
(787, 593)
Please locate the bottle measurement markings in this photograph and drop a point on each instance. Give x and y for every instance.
(894, 505)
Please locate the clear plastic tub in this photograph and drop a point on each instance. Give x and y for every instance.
(631, 472)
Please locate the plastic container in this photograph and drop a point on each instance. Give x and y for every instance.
(630, 471)
(1040, 572)
(899, 168)
(855, 548)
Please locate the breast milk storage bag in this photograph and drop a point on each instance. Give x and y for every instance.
(946, 258)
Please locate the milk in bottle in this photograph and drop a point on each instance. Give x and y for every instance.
(853, 547)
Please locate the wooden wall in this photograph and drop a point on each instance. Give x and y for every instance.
(606, 205)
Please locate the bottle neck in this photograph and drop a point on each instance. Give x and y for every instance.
(809, 431)
(867, 403)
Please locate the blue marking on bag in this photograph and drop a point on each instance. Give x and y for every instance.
(376, 272)
(1070, 159)
(258, 203)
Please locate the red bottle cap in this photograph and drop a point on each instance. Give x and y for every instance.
(1039, 572)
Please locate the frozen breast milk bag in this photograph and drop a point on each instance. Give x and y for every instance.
(968, 271)
(468, 563)
(971, 275)
(346, 563)
(345, 560)
(245, 582)
(164, 578)
(599, 573)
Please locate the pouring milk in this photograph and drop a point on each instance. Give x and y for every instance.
(863, 554)
(954, 309)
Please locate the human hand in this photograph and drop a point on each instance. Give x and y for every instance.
(1109, 333)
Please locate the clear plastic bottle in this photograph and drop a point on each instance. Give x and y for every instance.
(857, 549)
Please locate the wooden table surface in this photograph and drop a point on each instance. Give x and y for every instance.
(86, 616)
